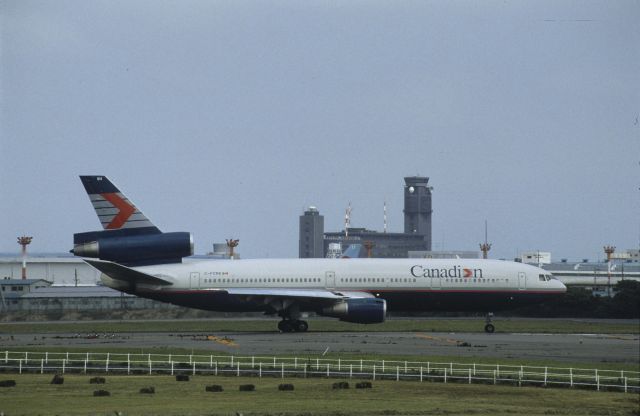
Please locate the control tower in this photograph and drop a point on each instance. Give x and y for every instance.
(417, 207)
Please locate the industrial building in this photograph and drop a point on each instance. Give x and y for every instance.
(314, 241)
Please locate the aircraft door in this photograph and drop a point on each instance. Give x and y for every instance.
(194, 280)
(435, 282)
(330, 280)
(522, 281)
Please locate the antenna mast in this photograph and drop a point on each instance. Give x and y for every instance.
(486, 246)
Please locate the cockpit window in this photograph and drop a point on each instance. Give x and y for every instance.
(541, 277)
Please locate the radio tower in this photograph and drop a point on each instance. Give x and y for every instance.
(385, 216)
(347, 221)
(24, 241)
(609, 250)
(485, 247)
(231, 243)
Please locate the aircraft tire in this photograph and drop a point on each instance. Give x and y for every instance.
(301, 326)
(286, 326)
(489, 328)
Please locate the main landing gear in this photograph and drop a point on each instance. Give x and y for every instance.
(489, 328)
(293, 325)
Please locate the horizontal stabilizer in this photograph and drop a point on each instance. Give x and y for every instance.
(119, 272)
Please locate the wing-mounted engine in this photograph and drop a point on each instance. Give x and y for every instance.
(358, 310)
(142, 249)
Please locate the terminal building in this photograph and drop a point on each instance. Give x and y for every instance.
(314, 242)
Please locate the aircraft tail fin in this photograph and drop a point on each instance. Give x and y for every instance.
(114, 210)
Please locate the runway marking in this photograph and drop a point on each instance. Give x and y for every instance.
(224, 340)
(441, 339)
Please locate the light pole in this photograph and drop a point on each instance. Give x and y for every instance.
(24, 241)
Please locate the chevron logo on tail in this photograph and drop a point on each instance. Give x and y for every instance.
(113, 208)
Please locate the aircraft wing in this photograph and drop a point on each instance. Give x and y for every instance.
(124, 273)
(298, 294)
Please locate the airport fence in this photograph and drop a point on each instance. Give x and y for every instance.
(229, 365)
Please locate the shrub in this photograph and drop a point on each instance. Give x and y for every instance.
(148, 390)
(340, 385)
(247, 387)
(182, 377)
(57, 379)
(7, 383)
(98, 393)
(97, 380)
(285, 387)
(213, 388)
(364, 385)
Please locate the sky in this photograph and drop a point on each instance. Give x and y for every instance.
(228, 118)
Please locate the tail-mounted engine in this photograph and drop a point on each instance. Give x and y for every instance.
(116, 246)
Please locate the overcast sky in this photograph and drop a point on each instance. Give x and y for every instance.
(228, 118)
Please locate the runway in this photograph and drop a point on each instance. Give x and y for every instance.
(587, 348)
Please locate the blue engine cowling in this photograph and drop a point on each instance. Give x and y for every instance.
(138, 249)
(358, 311)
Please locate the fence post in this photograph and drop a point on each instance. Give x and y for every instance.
(374, 372)
(545, 375)
(469, 376)
(260, 370)
(42, 369)
(20, 367)
(282, 364)
(46, 358)
(106, 366)
(420, 373)
(398, 373)
(405, 366)
(64, 363)
(26, 358)
(520, 378)
(474, 369)
(128, 366)
(428, 365)
(194, 368)
(597, 381)
(339, 365)
(211, 361)
(327, 369)
(383, 366)
(305, 370)
(216, 369)
(149, 367)
(361, 365)
(494, 376)
(445, 375)
(625, 384)
(238, 369)
(85, 366)
(171, 367)
(571, 377)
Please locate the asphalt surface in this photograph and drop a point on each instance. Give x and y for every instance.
(587, 348)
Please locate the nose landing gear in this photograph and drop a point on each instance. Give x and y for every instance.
(489, 328)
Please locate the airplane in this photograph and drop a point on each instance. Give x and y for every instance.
(135, 257)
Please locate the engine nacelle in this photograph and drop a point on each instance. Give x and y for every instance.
(139, 249)
(359, 310)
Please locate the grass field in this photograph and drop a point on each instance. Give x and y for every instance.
(33, 395)
(324, 325)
